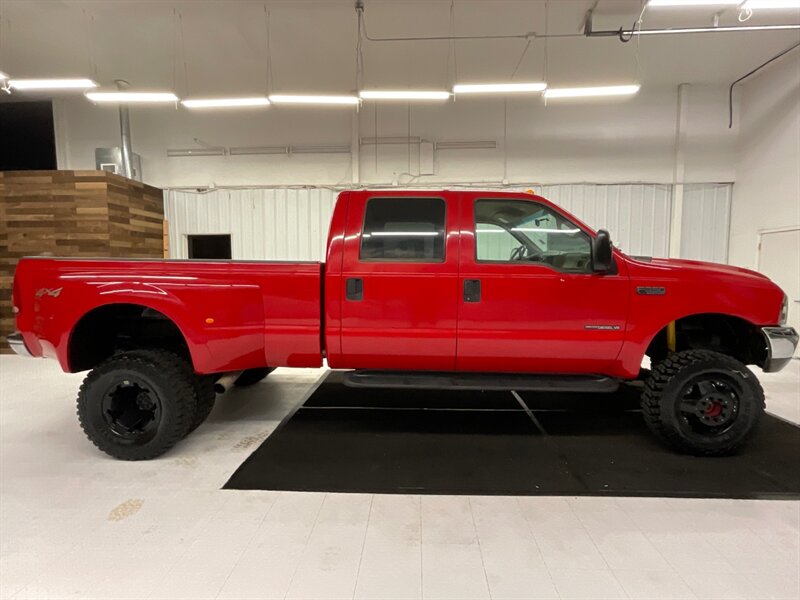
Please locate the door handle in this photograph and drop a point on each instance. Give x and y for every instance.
(354, 289)
(472, 290)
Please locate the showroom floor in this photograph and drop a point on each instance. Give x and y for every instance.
(77, 524)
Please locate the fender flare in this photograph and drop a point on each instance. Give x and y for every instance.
(171, 308)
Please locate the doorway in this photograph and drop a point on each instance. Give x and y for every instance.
(214, 247)
(779, 259)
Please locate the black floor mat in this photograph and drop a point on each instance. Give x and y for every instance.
(486, 443)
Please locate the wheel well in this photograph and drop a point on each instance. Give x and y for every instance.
(108, 329)
(721, 333)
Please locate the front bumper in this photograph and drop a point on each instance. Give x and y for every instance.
(18, 344)
(781, 344)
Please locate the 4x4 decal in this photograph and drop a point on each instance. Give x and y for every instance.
(48, 292)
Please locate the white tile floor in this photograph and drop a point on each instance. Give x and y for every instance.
(77, 524)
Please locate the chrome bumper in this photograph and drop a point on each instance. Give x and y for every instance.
(781, 344)
(18, 344)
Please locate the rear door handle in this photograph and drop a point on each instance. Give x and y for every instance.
(354, 289)
(472, 290)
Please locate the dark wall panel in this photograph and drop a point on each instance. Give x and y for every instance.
(27, 136)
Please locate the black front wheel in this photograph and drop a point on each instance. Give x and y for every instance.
(702, 402)
(136, 406)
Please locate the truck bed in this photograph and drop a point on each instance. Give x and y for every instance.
(233, 314)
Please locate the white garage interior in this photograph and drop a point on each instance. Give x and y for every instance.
(697, 159)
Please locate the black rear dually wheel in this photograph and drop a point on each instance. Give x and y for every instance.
(206, 398)
(203, 385)
(137, 405)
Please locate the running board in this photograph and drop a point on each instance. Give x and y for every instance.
(481, 381)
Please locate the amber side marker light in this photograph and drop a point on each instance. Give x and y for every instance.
(209, 321)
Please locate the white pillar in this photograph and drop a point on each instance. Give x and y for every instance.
(355, 147)
(676, 217)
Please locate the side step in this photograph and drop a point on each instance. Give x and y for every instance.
(481, 381)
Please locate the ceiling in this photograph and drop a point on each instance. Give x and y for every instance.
(201, 48)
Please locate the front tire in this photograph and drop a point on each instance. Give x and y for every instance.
(702, 402)
(136, 406)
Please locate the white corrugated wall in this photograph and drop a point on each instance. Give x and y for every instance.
(264, 224)
(292, 223)
(706, 221)
(636, 215)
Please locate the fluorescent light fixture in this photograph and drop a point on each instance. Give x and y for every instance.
(466, 145)
(760, 4)
(685, 3)
(255, 150)
(403, 95)
(196, 152)
(589, 92)
(370, 141)
(51, 84)
(706, 29)
(498, 88)
(123, 97)
(295, 99)
(530, 230)
(322, 149)
(538, 230)
(225, 102)
(404, 233)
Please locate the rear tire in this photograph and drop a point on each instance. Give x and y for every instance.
(206, 397)
(137, 405)
(203, 386)
(702, 402)
(252, 376)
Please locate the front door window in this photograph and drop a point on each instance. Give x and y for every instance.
(528, 232)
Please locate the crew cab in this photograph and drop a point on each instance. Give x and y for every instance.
(457, 288)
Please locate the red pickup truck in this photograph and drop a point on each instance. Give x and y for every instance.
(465, 289)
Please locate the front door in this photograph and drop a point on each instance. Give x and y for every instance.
(400, 288)
(530, 301)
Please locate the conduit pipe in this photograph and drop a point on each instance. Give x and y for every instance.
(753, 72)
(125, 133)
(444, 38)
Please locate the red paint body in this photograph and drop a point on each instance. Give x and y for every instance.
(531, 317)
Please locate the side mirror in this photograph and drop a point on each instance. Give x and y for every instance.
(601, 252)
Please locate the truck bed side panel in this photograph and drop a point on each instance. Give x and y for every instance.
(233, 315)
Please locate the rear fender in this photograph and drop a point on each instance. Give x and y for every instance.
(146, 295)
(220, 317)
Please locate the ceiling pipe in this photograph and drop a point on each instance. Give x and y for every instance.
(125, 133)
(626, 35)
(754, 71)
(445, 38)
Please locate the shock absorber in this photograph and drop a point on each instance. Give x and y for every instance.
(671, 337)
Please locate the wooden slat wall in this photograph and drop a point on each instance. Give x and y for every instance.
(77, 214)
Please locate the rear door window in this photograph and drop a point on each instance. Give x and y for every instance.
(403, 230)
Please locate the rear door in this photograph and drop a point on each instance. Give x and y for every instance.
(400, 281)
